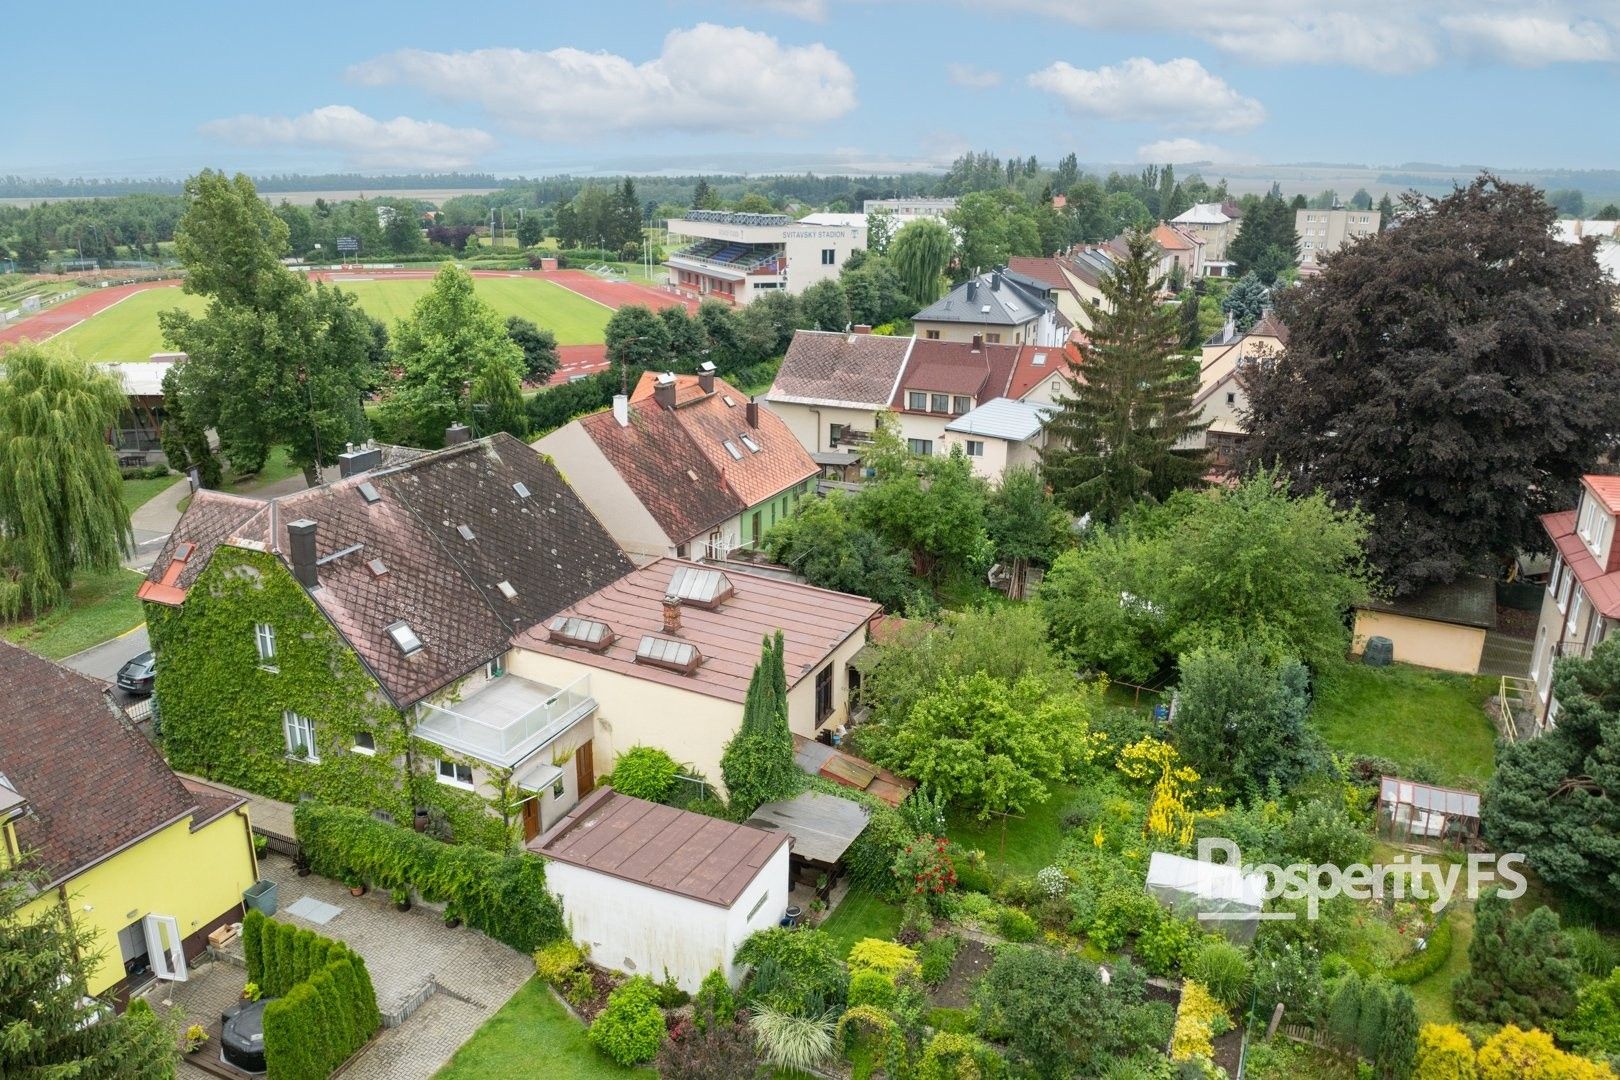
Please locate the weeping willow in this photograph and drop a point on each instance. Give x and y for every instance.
(61, 498)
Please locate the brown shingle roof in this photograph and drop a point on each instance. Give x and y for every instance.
(814, 622)
(677, 463)
(547, 546)
(660, 847)
(956, 367)
(860, 369)
(93, 784)
(1048, 270)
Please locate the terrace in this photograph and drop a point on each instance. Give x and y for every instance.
(507, 719)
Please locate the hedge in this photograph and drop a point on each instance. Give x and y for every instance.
(1421, 965)
(504, 896)
(324, 1007)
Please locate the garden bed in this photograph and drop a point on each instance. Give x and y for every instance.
(973, 959)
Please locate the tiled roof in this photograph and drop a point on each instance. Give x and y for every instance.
(859, 369)
(1172, 239)
(1047, 270)
(660, 847)
(814, 622)
(1270, 326)
(1036, 364)
(1091, 265)
(1602, 586)
(93, 784)
(956, 367)
(547, 546)
(677, 463)
(1607, 490)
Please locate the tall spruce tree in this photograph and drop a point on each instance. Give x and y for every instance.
(1113, 441)
(61, 501)
(757, 764)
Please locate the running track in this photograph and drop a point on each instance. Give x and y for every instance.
(576, 359)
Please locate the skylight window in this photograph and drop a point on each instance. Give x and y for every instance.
(522, 489)
(1039, 360)
(731, 448)
(377, 567)
(506, 589)
(405, 637)
(586, 633)
(730, 402)
(465, 531)
(183, 551)
(748, 441)
(696, 585)
(673, 655)
(369, 492)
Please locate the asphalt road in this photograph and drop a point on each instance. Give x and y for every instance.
(103, 661)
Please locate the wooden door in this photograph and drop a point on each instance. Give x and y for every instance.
(531, 818)
(585, 769)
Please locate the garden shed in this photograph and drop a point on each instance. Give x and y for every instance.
(822, 827)
(657, 891)
(1441, 627)
(1408, 810)
(1221, 897)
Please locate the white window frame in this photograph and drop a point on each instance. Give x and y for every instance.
(1574, 615)
(1564, 589)
(454, 779)
(975, 448)
(369, 751)
(264, 640)
(917, 400)
(927, 444)
(294, 724)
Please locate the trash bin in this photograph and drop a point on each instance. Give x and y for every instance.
(261, 897)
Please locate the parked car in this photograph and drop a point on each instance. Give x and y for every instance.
(136, 676)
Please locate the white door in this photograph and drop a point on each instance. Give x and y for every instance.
(164, 947)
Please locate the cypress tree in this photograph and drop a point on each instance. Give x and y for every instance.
(1113, 440)
(1344, 1012)
(252, 943)
(1371, 1021)
(1397, 1050)
(757, 764)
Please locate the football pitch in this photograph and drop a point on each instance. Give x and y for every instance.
(129, 329)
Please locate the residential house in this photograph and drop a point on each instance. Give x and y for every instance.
(669, 651)
(1216, 224)
(1066, 288)
(740, 257)
(684, 465)
(1582, 603)
(148, 864)
(1001, 307)
(664, 892)
(832, 387)
(349, 641)
(1322, 232)
(1222, 398)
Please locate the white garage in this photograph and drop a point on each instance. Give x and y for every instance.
(652, 890)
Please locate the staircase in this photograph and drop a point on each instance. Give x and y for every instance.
(1505, 655)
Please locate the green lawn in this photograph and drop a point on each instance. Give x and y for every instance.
(1434, 993)
(100, 606)
(862, 914)
(1020, 845)
(532, 1035)
(1410, 715)
(129, 329)
(138, 493)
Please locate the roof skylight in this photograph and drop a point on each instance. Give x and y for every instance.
(731, 448)
(586, 633)
(522, 489)
(673, 655)
(748, 441)
(369, 492)
(700, 586)
(377, 567)
(405, 637)
(465, 531)
(506, 589)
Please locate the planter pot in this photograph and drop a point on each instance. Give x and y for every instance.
(357, 890)
(451, 924)
(420, 821)
(261, 897)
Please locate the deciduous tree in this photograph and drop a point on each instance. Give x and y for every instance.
(539, 347)
(921, 251)
(1025, 525)
(1241, 719)
(822, 542)
(826, 307)
(1453, 391)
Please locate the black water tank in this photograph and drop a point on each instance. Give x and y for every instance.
(1380, 652)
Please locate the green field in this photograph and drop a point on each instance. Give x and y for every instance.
(129, 329)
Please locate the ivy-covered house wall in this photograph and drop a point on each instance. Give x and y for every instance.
(222, 710)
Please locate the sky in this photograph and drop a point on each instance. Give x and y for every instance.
(166, 87)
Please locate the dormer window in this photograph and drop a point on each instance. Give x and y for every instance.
(405, 638)
(916, 401)
(1594, 524)
(940, 403)
(961, 404)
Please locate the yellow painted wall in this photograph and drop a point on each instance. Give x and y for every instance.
(194, 877)
(1445, 646)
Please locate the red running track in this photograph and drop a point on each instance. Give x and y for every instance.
(69, 313)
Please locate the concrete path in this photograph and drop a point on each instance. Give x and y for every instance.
(153, 521)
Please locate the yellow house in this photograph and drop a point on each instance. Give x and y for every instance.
(147, 862)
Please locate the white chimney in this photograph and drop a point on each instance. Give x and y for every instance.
(621, 409)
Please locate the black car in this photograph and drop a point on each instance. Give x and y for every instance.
(136, 676)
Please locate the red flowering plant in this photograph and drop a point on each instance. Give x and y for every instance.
(924, 869)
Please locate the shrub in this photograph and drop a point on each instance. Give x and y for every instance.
(1015, 925)
(1594, 1027)
(793, 1042)
(715, 1002)
(915, 921)
(972, 878)
(871, 987)
(631, 1027)
(1425, 962)
(957, 1056)
(887, 957)
(806, 973)
(936, 957)
(580, 989)
(644, 772)
(1512, 1054)
(325, 1007)
(924, 868)
(557, 961)
(1147, 1026)
(1594, 952)
(695, 1051)
(1161, 946)
(1193, 1036)
(1052, 881)
(1444, 1053)
(1222, 968)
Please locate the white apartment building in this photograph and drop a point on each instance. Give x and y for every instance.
(740, 257)
(911, 208)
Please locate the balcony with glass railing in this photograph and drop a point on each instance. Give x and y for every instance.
(506, 719)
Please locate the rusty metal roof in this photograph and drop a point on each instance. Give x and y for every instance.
(660, 847)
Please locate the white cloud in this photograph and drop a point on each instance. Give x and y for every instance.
(972, 77)
(706, 79)
(1181, 151)
(400, 143)
(1179, 93)
(1531, 40)
(814, 10)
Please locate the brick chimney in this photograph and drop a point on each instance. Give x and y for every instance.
(752, 412)
(664, 390)
(706, 377)
(862, 328)
(456, 434)
(301, 544)
(672, 615)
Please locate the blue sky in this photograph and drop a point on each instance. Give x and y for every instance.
(164, 88)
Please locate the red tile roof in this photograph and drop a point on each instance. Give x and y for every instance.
(1048, 270)
(1606, 489)
(676, 461)
(1171, 238)
(94, 784)
(1602, 586)
(661, 847)
(1036, 364)
(814, 623)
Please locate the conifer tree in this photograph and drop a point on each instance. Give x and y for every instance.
(1397, 1049)
(1113, 440)
(1344, 1012)
(1520, 970)
(757, 764)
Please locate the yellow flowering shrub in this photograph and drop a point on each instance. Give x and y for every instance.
(1194, 1034)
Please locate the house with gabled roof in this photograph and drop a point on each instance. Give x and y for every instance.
(146, 863)
(1000, 306)
(349, 641)
(1222, 399)
(1216, 224)
(683, 465)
